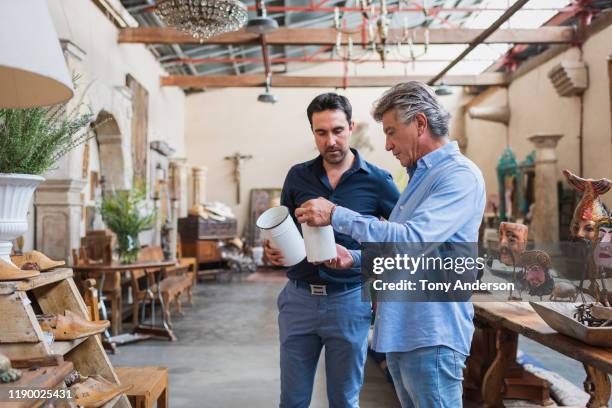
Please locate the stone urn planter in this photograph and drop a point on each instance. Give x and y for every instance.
(15, 196)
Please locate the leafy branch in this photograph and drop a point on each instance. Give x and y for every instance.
(124, 212)
(32, 140)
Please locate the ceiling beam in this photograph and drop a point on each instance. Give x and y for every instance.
(327, 36)
(487, 33)
(286, 81)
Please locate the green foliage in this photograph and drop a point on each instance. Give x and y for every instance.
(33, 139)
(124, 212)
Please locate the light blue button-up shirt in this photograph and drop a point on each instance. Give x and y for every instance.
(443, 202)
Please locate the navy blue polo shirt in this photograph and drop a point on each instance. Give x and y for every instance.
(364, 188)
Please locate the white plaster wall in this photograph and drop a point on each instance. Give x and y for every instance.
(107, 63)
(487, 140)
(102, 79)
(535, 107)
(221, 122)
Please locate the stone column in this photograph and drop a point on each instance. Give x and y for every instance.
(174, 205)
(59, 214)
(198, 177)
(545, 222)
(179, 184)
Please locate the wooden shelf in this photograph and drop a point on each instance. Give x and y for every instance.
(40, 378)
(63, 347)
(45, 278)
(113, 402)
(21, 336)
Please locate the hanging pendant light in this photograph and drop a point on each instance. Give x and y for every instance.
(262, 24)
(267, 96)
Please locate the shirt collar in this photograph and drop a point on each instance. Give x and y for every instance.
(434, 157)
(358, 163)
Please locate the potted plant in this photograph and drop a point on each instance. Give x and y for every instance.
(32, 140)
(127, 215)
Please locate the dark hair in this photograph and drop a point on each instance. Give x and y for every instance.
(329, 101)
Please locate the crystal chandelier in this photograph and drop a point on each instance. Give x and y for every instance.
(203, 18)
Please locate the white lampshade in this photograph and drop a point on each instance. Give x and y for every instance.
(33, 70)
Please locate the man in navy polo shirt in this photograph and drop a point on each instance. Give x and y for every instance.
(321, 306)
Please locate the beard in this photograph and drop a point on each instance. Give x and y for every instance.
(334, 156)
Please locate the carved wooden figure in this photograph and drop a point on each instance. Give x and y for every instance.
(237, 160)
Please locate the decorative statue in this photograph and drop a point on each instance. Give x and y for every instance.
(564, 290)
(512, 242)
(601, 259)
(583, 228)
(590, 208)
(537, 277)
(7, 372)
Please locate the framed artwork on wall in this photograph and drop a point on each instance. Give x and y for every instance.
(260, 200)
(140, 127)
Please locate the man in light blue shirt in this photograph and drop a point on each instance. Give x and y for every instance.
(426, 343)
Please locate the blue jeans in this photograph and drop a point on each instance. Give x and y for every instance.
(428, 377)
(340, 322)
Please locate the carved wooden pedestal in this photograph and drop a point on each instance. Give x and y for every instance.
(493, 373)
(597, 385)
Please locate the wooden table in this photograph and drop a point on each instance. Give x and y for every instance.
(509, 319)
(142, 331)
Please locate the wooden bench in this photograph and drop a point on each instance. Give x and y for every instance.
(149, 385)
(506, 320)
(175, 282)
(190, 262)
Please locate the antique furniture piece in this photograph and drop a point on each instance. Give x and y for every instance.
(96, 248)
(189, 261)
(150, 385)
(200, 238)
(176, 281)
(22, 338)
(110, 270)
(504, 321)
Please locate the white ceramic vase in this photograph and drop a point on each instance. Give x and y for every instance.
(15, 195)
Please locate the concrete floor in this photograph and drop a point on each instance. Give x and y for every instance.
(227, 353)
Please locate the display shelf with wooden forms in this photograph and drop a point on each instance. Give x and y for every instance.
(47, 378)
(21, 336)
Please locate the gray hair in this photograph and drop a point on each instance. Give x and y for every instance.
(410, 98)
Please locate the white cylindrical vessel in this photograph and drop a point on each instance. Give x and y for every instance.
(277, 226)
(320, 243)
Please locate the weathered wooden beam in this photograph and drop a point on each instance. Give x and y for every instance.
(286, 81)
(327, 36)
